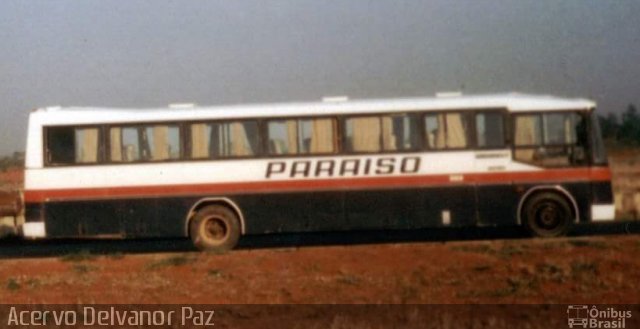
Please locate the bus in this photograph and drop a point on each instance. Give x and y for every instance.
(214, 174)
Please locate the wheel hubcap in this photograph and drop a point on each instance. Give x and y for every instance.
(215, 229)
(549, 215)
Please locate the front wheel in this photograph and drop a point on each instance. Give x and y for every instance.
(547, 215)
(215, 228)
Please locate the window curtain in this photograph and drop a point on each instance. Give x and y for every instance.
(115, 135)
(160, 143)
(388, 137)
(322, 136)
(456, 136)
(526, 134)
(527, 130)
(199, 141)
(239, 141)
(292, 135)
(366, 134)
(88, 152)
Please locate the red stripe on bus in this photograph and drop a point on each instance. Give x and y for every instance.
(543, 176)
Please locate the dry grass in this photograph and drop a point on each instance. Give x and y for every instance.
(80, 256)
(172, 261)
(625, 168)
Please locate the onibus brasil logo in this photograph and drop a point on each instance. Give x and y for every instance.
(581, 316)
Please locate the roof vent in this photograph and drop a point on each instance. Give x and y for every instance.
(445, 94)
(182, 105)
(335, 99)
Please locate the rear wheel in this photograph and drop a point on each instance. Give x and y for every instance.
(547, 215)
(215, 228)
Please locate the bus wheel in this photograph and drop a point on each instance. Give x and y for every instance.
(547, 215)
(215, 228)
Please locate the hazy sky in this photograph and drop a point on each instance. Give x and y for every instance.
(152, 53)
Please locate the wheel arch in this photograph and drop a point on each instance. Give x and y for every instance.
(214, 201)
(549, 188)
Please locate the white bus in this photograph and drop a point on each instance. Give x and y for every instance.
(216, 173)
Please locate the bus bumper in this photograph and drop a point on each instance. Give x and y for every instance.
(33, 230)
(602, 212)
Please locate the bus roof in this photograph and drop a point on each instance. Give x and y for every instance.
(513, 102)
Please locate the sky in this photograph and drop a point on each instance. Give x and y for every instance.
(150, 53)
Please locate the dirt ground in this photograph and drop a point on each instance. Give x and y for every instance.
(566, 270)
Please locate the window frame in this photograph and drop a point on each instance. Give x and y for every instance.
(416, 149)
(471, 133)
(101, 149)
(188, 145)
(505, 129)
(107, 137)
(583, 113)
(339, 124)
(264, 133)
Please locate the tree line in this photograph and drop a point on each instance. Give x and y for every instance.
(623, 130)
(14, 160)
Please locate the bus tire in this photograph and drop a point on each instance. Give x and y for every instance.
(547, 215)
(214, 228)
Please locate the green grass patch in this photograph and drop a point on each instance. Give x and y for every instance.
(551, 272)
(173, 261)
(506, 251)
(589, 244)
(476, 248)
(580, 268)
(83, 268)
(80, 256)
(348, 279)
(13, 285)
(516, 285)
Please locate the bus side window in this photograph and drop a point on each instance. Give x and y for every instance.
(528, 136)
(158, 142)
(69, 145)
(224, 139)
(363, 134)
(129, 145)
(490, 130)
(446, 130)
(282, 137)
(301, 136)
(161, 142)
(317, 136)
(400, 132)
(551, 139)
(235, 139)
(382, 133)
(434, 130)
